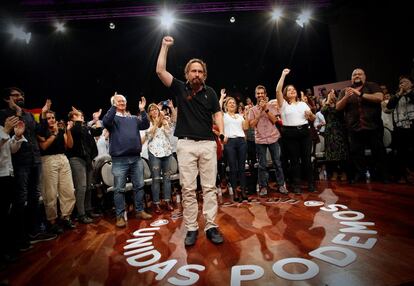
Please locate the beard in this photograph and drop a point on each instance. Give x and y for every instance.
(195, 83)
(358, 83)
(20, 103)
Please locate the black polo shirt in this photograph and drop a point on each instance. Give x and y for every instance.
(361, 114)
(194, 117)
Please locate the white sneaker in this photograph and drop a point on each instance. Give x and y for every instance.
(283, 189)
(263, 191)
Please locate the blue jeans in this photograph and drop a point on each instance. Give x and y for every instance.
(156, 165)
(236, 149)
(274, 150)
(121, 168)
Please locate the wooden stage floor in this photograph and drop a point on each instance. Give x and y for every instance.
(367, 240)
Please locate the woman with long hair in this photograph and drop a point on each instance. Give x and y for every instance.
(159, 154)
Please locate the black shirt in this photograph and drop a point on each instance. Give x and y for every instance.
(361, 114)
(84, 145)
(194, 116)
(57, 146)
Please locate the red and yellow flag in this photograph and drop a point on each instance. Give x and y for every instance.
(36, 113)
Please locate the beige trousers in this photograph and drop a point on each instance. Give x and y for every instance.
(57, 183)
(198, 157)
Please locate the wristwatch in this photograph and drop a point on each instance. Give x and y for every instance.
(221, 136)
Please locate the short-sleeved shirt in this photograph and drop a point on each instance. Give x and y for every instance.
(265, 131)
(361, 114)
(194, 116)
(294, 114)
(57, 146)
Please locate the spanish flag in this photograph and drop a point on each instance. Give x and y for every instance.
(36, 113)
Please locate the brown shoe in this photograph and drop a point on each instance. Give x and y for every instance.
(120, 222)
(157, 209)
(143, 215)
(168, 206)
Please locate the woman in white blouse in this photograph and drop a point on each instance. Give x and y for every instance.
(296, 115)
(235, 146)
(159, 155)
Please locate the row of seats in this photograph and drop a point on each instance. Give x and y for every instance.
(103, 171)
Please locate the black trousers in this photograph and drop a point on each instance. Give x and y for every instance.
(297, 144)
(371, 139)
(8, 186)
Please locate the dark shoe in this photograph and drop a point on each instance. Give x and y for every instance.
(85, 219)
(10, 258)
(157, 209)
(191, 237)
(169, 207)
(297, 190)
(55, 228)
(359, 178)
(67, 223)
(25, 246)
(94, 214)
(244, 195)
(214, 235)
(237, 199)
(41, 236)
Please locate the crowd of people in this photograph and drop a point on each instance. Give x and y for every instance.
(54, 160)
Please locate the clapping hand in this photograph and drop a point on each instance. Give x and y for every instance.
(223, 93)
(47, 106)
(19, 129)
(69, 125)
(96, 115)
(142, 103)
(10, 123)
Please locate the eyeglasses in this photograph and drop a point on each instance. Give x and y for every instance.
(16, 94)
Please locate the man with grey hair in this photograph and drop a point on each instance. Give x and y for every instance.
(125, 150)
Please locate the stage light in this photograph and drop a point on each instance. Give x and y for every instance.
(60, 27)
(167, 19)
(111, 26)
(276, 14)
(232, 20)
(19, 33)
(303, 18)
